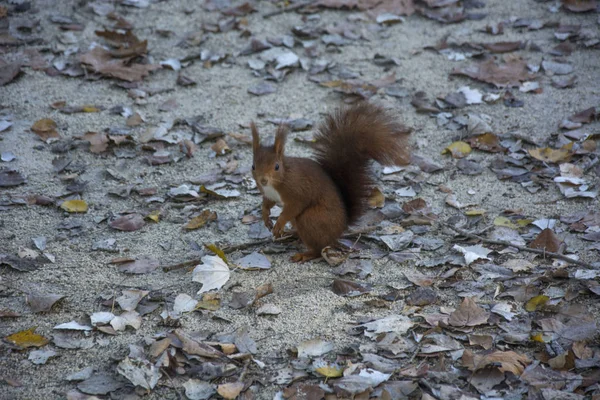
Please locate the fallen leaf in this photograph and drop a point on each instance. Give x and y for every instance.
(580, 6)
(42, 302)
(468, 314)
(547, 154)
(46, 129)
(141, 373)
(458, 149)
(196, 389)
(398, 324)
(9, 71)
(128, 222)
(473, 253)
(254, 261)
(101, 61)
(74, 206)
(130, 298)
(27, 338)
(347, 288)
(142, 265)
(508, 74)
(314, 348)
(212, 274)
(536, 303)
(40, 357)
(230, 390)
(546, 240)
(376, 198)
(201, 220)
(98, 141)
(11, 177)
(505, 361)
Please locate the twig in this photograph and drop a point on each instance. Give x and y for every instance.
(521, 248)
(243, 246)
(288, 9)
(179, 395)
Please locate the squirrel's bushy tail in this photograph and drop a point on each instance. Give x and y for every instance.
(346, 143)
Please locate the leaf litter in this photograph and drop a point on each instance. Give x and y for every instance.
(513, 299)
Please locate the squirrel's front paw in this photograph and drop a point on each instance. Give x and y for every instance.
(268, 223)
(277, 230)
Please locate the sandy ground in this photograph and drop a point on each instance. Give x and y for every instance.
(309, 308)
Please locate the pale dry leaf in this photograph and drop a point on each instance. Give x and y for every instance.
(473, 253)
(212, 274)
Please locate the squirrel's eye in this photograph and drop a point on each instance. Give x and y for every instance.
(253, 167)
(276, 167)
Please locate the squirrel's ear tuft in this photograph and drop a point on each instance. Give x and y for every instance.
(280, 138)
(255, 138)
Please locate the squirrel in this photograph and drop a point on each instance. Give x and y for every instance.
(322, 197)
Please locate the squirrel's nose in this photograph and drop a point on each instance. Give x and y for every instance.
(263, 182)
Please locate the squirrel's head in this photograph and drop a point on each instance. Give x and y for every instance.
(267, 166)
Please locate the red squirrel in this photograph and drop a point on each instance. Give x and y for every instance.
(322, 197)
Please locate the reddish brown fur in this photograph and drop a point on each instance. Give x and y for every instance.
(320, 198)
(347, 142)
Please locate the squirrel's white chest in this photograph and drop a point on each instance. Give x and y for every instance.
(272, 194)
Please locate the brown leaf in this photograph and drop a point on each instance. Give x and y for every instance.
(503, 47)
(485, 341)
(468, 314)
(139, 266)
(240, 11)
(547, 154)
(505, 361)
(398, 7)
(414, 205)
(42, 302)
(546, 240)
(194, 347)
(101, 61)
(346, 288)
(45, 128)
(376, 198)
(201, 220)
(486, 142)
(9, 71)
(10, 177)
(504, 75)
(98, 141)
(580, 6)
(230, 390)
(128, 223)
(451, 13)
(584, 117)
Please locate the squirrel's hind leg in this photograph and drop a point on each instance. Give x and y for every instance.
(306, 256)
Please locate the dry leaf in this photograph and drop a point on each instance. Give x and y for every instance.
(458, 149)
(128, 223)
(101, 61)
(536, 303)
(74, 206)
(546, 240)
(201, 220)
(212, 274)
(98, 141)
(503, 75)
(468, 314)
(45, 129)
(547, 154)
(505, 361)
(27, 338)
(42, 302)
(376, 199)
(230, 390)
